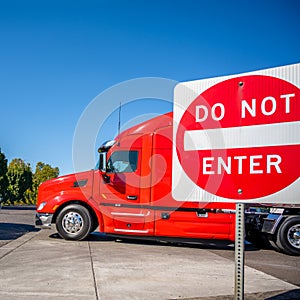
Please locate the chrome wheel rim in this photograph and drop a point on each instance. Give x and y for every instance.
(72, 222)
(294, 236)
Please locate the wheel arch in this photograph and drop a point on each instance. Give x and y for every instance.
(96, 218)
(277, 221)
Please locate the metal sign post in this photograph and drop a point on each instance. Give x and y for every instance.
(239, 251)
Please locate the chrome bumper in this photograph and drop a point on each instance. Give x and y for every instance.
(43, 220)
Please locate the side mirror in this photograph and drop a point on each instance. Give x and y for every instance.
(102, 162)
(103, 167)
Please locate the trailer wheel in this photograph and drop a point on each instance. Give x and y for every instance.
(288, 236)
(74, 222)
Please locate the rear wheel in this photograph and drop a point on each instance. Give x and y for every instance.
(74, 222)
(288, 236)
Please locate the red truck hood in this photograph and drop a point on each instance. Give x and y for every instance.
(79, 183)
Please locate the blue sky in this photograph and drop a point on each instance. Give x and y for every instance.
(57, 56)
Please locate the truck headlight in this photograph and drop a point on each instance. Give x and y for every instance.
(42, 205)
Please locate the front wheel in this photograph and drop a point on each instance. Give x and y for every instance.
(288, 236)
(74, 222)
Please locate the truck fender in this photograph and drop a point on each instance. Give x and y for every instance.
(272, 223)
(96, 216)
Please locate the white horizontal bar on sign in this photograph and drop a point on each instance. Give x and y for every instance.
(277, 134)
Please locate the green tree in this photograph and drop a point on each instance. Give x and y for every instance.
(42, 173)
(3, 177)
(19, 177)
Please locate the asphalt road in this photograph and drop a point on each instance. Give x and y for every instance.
(16, 221)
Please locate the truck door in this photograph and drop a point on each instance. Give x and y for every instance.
(120, 195)
(178, 218)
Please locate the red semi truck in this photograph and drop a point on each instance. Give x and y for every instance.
(129, 194)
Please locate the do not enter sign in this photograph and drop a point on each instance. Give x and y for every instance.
(238, 138)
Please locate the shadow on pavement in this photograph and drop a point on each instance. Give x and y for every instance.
(93, 237)
(11, 231)
(274, 295)
(201, 244)
(293, 294)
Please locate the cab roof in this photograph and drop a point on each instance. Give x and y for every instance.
(148, 126)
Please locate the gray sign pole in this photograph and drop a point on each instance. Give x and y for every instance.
(239, 251)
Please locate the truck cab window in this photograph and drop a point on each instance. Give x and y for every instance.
(122, 162)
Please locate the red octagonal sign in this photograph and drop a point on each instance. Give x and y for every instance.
(240, 138)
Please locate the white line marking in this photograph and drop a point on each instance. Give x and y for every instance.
(278, 134)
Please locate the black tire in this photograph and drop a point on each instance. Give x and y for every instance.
(288, 236)
(95, 225)
(274, 245)
(74, 222)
